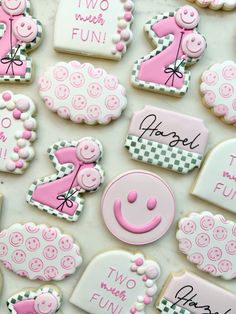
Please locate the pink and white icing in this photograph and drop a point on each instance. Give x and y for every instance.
(17, 132)
(216, 4)
(39, 252)
(218, 88)
(82, 93)
(210, 243)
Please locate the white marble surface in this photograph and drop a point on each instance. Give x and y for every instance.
(219, 29)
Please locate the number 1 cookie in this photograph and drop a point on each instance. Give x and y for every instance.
(175, 34)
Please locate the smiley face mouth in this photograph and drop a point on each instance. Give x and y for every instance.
(193, 51)
(15, 8)
(133, 228)
(183, 20)
(86, 185)
(23, 36)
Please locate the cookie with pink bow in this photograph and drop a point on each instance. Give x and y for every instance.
(78, 171)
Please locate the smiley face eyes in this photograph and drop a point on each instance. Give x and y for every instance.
(132, 197)
(151, 202)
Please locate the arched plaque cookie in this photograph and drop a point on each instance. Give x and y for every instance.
(21, 34)
(216, 182)
(167, 139)
(99, 28)
(117, 282)
(17, 133)
(226, 5)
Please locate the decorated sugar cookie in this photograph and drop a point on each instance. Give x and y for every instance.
(21, 34)
(218, 88)
(226, 5)
(138, 207)
(97, 28)
(117, 282)
(46, 300)
(78, 171)
(17, 132)
(216, 182)
(167, 139)
(210, 243)
(82, 93)
(187, 293)
(39, 252)
(179, 45)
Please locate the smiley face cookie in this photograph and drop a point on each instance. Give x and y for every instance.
(226, 5)
(210, 243)
(138, 207)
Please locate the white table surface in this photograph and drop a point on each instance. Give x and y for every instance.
(90, 231)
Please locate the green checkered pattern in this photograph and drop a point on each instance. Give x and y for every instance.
(162, 155)
(161, 44)
(2, 29)
(166, 306)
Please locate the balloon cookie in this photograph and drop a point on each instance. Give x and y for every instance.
(210, 243)
(179, 45)
(39, 252)
(226, 5)
(186, 293)
(138, 207)
(17, 132)
(22, 33)
(167, 139)
(216, 182)
(218, 88)
(46, 300)
(117, 282)
(82, 93)
(95, 28)
(78, 171)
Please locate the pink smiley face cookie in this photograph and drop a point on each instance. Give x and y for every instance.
(226, 5)
(218, 88)
(138, 207)
(210, 245)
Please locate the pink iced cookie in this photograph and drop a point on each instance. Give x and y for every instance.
(118, 282)
(82, 93)
(39, 252)
(213, 243)
(46, 300)
(218, 88)
(226, 5)
(138, 207)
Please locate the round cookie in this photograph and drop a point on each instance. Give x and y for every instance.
(138, 207)
(226, 5)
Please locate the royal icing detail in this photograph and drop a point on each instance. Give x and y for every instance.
(99, 28)
(210, 243)
(117, 282)
(82, 93)
(78, 172)
(39, 252)
(216, 4)
(216, 182)
(186, 293)
(17, 132)
(218, 88)
(167, 139)
(46, 300)
(179, 45)
(138, 207)
(21, 34)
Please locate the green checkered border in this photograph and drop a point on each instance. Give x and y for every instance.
(166, 306)
(29, 295)
(161, 44)
(22, 53)
(162, 155)
(62, 171)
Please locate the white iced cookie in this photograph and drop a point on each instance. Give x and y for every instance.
(17, 133)
(117, 282)
(98, 28)
(226, 5)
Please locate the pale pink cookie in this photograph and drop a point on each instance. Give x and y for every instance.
(213, 243)
(226, 5)
(39, 252)
(118, 282)
(94, 28)
(138, 207)
(82, 93)
(18, 132)
(216, 180)
(46, 300)
(218, 88)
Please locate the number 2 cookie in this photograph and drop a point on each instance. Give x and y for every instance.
(175, 34)
(226, 5)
